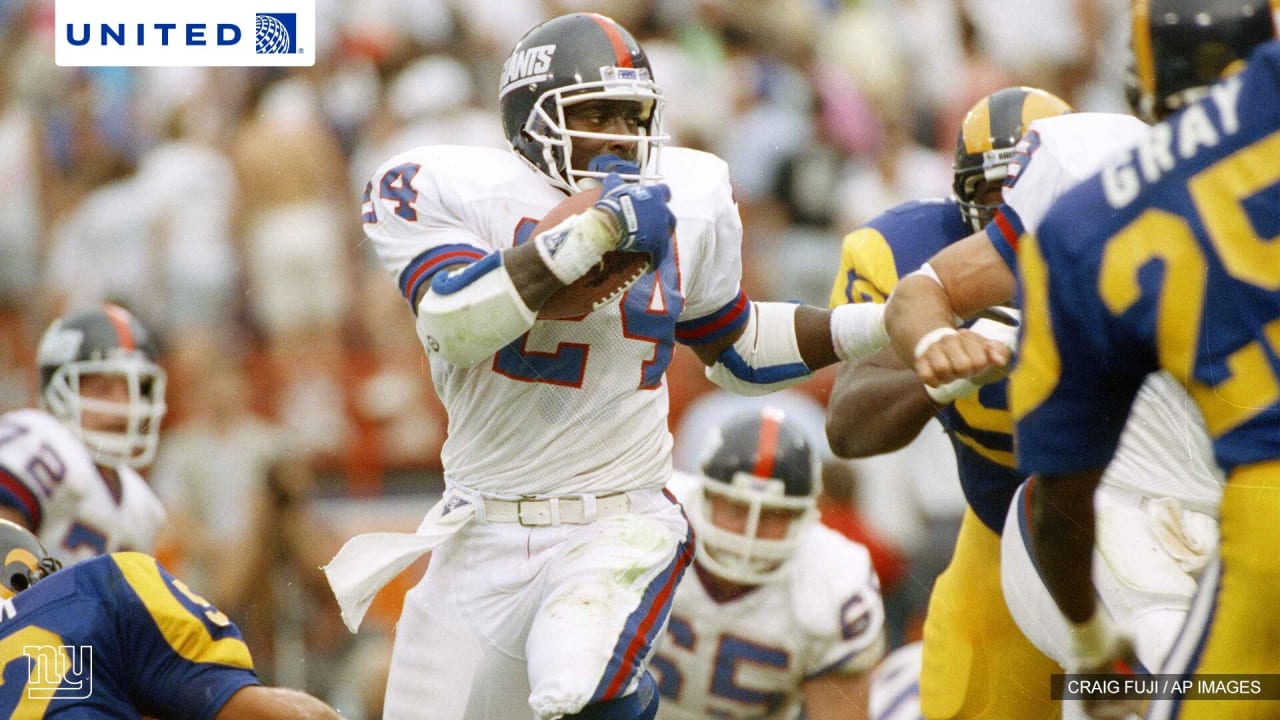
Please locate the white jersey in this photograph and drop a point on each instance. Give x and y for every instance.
(48, 474)
(1164, 449)
(749, 656)
(573, 406)
(1058, 152)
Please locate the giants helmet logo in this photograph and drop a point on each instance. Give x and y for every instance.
(526, 67)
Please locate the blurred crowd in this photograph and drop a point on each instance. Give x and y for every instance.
(222, 206)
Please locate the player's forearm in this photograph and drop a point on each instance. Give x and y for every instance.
(876, 406)
(782, 344)
(1062, 538)
(533, 280)
(918, 306)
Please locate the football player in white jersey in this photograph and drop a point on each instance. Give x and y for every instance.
(780, 613)
(1159, 498)
(68, 471)
(556, 551)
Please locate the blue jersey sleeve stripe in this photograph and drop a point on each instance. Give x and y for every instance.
(451, 282)
(760, 376)
(421, 268)
(710, 328)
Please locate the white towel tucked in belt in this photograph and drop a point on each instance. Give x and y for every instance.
(366, 563)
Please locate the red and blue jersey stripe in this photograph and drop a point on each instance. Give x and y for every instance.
(421, 268)
(718, 324)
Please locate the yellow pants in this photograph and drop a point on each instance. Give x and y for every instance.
(1239, 626)
(977, 663)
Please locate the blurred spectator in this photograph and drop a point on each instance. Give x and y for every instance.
(433, 100)
(298, 220)
(242, 521)
(192, 186)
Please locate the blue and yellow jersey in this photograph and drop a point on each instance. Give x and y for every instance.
(113, 637)
(872, 260)
(1168, 258)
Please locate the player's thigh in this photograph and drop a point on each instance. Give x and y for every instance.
(609, 594)
(433, 660)
(1232, 625)
(447, 660)
(977, 662)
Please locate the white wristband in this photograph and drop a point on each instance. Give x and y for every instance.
(928, 340)
(857, 330)
(576, 245)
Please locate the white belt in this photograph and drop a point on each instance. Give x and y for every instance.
(563, 510)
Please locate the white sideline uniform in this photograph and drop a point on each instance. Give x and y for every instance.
(749, 657)
(48, 474)
(511, 617)
(1157, 502)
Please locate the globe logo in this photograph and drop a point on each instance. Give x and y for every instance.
(273, 33)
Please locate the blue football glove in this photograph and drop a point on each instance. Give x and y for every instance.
(642, 215)
(613, 164)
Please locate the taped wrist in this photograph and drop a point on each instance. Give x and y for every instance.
(576, 245)
(857, 330)
(948, 393)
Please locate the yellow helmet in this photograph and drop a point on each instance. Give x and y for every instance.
(984, 147)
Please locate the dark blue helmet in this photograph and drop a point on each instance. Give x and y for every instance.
(759, 463)
(104, 341)
(1182, 46)
(567, 60)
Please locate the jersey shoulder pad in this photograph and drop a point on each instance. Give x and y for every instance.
(450, 177)
(699, 182)
(192, 627)
(42, 423)
(830, 572)
(916, 230)
(1057, 153)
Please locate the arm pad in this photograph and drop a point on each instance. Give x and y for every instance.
(766, 357)
(469, 314)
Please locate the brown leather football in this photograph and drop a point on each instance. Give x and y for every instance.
(617, 270)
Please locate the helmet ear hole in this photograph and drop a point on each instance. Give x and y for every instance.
(25, 561)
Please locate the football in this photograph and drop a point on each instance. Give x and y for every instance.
(617, 270)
